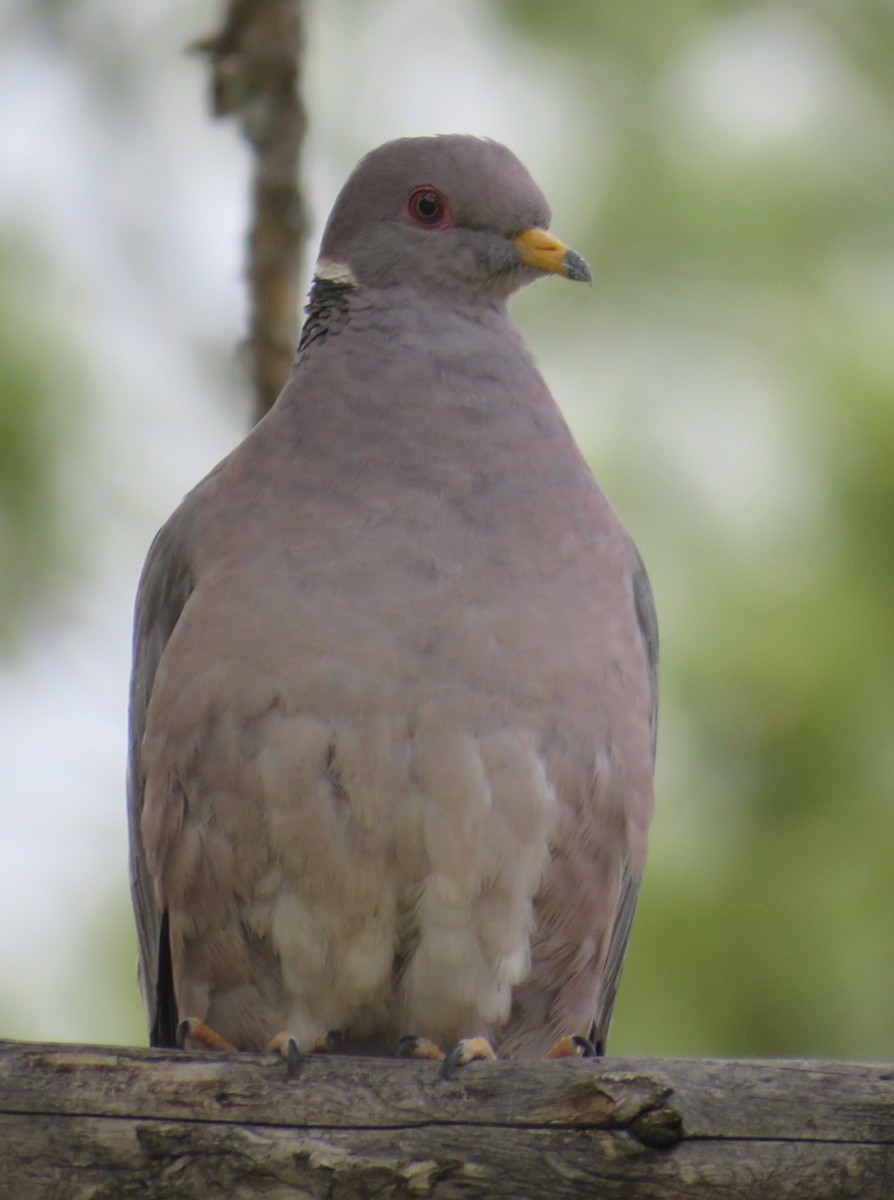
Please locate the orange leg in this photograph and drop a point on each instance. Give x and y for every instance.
(193, 1034)
(469, 1049)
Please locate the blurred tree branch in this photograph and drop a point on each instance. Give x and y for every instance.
(256, 62)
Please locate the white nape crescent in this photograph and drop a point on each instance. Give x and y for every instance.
(333, 271)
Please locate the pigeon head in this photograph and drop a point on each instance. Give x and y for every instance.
(446, 214)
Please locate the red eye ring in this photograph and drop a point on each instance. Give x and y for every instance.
(428, 208)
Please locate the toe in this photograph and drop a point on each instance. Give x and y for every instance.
(419, 1047)
(465, 1052)
(193, 1034)
(572, 1046)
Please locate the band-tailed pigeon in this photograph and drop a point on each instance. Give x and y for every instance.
(394, 690)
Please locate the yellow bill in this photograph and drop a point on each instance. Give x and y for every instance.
(539, 249)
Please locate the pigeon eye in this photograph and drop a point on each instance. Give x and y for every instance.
(427, 206)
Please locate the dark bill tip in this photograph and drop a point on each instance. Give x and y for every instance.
(538, 248)
(576, 268)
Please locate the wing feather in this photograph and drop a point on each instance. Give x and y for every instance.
(644, 605)
(165, 586)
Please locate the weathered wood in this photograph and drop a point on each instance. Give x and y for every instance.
(80, 1121)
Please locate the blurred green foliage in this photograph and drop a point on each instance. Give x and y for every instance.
(37, 387)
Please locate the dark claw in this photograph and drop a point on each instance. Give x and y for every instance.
(293, 1059)
(586, 1047)
(452, 1062)
(406, 1046)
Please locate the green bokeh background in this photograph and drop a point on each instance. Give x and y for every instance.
(732, 379)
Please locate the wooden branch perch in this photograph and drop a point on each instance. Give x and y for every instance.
(256, 60)
(90, 1121)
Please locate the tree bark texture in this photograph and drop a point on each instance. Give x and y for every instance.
(256, 61)
(103, 1123)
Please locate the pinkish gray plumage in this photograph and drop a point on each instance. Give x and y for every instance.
(393, 698)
